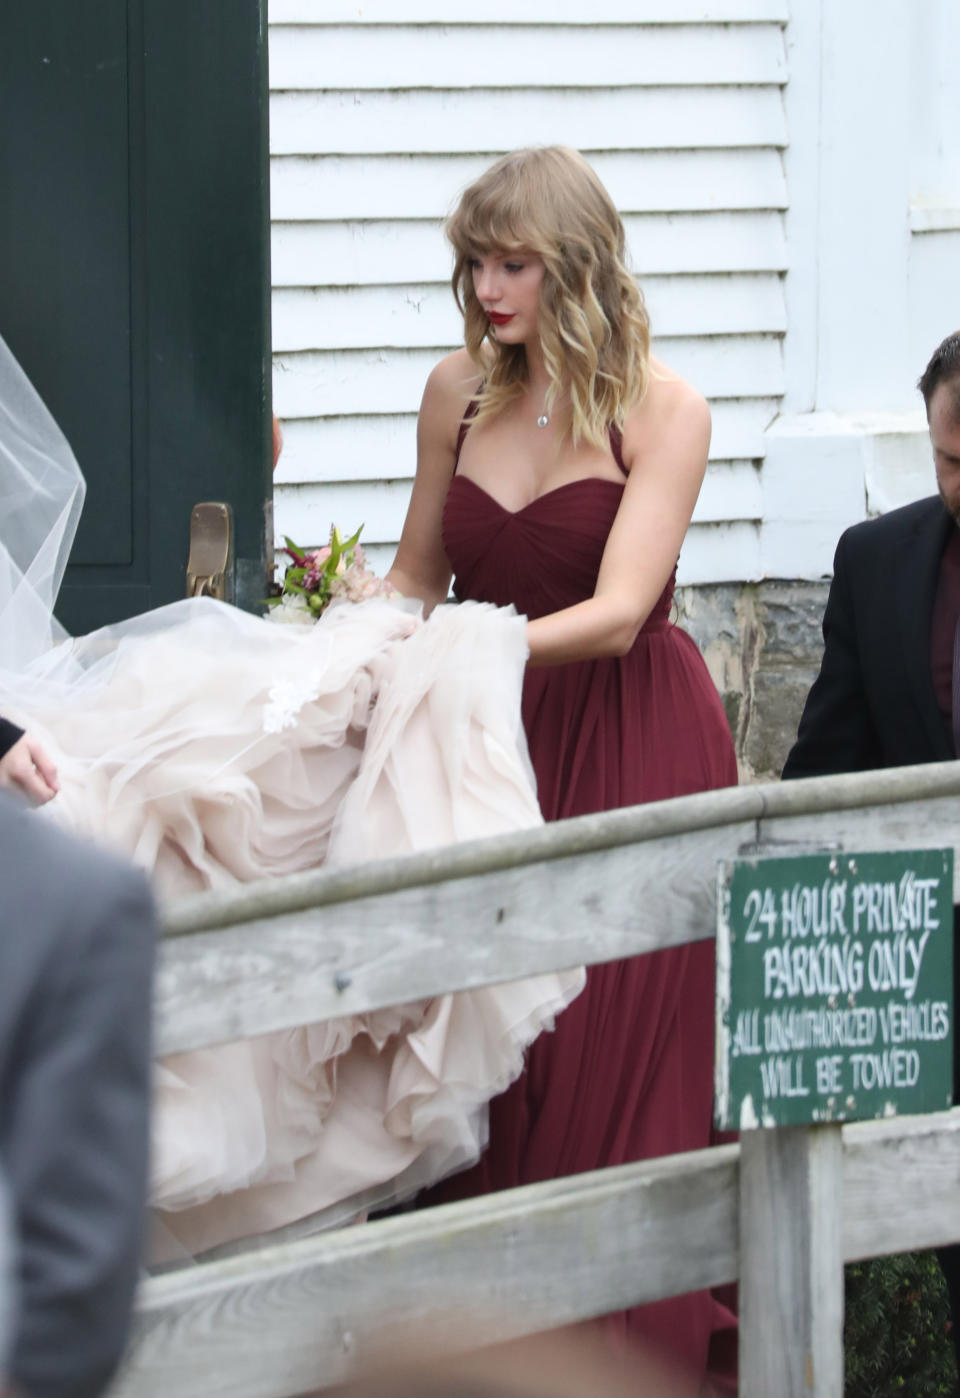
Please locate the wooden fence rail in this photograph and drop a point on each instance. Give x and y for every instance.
(284, 1317)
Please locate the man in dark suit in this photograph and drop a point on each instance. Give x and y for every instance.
(888, 692)
(76, 955)
(884, 695)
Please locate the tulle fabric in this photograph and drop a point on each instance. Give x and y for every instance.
(41, 495)
(217, 748)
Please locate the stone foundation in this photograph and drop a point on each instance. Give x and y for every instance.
(762, 643)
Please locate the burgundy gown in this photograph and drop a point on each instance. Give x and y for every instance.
(627, 1073)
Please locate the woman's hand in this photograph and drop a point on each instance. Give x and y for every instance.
(26, 768)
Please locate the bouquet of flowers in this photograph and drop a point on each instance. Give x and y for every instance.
(317, 577)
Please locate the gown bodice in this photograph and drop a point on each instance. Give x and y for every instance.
(541, 558)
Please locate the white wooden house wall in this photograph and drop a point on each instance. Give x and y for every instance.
(789, 173)
(382, 111)
(873, 251)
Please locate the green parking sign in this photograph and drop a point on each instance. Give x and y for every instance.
(834, 988)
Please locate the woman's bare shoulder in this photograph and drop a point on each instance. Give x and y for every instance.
(450, 386)
(671, 413)
(669, 399)
(453, 381)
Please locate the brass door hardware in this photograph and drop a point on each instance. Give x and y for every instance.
(210, 566)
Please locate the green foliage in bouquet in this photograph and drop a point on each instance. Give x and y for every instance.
(314, 573)
(898, 1339)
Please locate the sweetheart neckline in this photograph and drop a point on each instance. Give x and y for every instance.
(580, 480)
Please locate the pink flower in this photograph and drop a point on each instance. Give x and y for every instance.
(318, 584)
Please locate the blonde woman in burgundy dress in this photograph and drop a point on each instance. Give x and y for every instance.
(558, 468)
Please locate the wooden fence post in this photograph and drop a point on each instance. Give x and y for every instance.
(791, 1263)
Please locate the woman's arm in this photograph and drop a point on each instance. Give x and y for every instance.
(421, 567)
(665, 444)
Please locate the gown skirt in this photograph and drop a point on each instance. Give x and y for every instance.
(218, 748)
(627, 1073)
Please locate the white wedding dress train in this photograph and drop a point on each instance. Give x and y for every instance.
(217, 748)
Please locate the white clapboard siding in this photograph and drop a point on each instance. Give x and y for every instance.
(731, 491)
(308, 58)
(320, 123)
(383, 447)
(327, 188)
(713, 551)
(417, 315)
(378, 12)
(384, 252)
(382, 112)
(317, 383)
(364, 447)
(717, 553)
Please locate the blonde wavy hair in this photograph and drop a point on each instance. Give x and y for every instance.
(594, 328)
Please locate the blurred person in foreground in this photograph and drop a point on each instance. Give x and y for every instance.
(571, 1363)
(7, 1289)
(76, 956)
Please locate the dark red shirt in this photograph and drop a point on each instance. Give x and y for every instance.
(946, 613)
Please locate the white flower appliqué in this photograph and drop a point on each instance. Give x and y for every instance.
(287, 697)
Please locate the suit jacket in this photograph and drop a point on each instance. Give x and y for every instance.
(77, 940)
(9, 733)
(873, 703)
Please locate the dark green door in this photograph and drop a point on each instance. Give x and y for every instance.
(134, 275)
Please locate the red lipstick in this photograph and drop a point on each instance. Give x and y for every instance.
(495, 318)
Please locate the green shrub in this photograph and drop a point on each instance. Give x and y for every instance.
(898, 1339)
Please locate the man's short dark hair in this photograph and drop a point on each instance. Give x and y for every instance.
(944, 367)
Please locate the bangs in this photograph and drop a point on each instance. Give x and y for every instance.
(497, 215)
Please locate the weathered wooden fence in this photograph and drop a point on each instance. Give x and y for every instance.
(781, 1212)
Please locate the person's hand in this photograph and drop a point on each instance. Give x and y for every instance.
(277, 441)
(26, 768)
